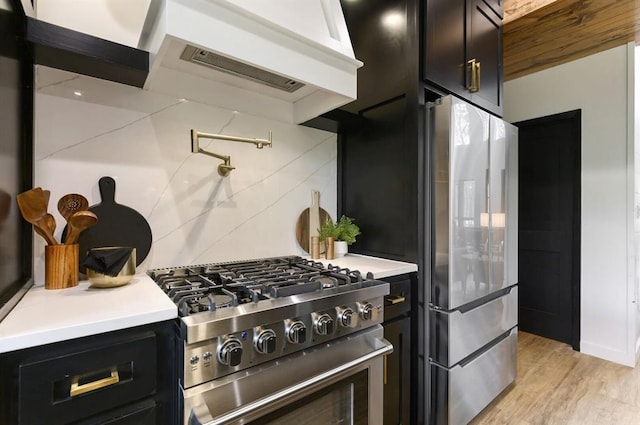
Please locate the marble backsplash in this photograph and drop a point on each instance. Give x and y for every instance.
(86, 128)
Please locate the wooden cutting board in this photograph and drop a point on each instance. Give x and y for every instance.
(118, 225)
(302, 228)
(309, 222)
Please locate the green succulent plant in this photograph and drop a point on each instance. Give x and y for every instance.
(343, 230)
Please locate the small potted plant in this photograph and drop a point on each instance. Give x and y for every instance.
(342, 233)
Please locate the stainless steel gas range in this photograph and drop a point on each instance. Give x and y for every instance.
(276, 340)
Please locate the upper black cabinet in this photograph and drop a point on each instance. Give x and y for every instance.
(378, 145)
(496, 5)
(378, 33)
(463, 50)
(484, 45)
(444, 44)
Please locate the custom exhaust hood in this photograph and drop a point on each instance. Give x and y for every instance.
(293, 56)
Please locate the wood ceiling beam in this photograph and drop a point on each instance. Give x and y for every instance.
(566, 30)
(514, 9)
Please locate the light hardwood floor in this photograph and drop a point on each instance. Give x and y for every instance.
(558, 386)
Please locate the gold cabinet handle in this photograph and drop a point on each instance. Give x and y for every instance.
(395, 299)
(474, 69)
(385, 369)
(77, 389)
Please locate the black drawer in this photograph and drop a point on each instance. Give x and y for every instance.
(69, 387)
(398, 302)
(144, 413)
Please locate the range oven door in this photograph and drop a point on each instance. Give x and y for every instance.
(336, 383)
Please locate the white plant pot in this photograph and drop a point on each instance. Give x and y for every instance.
(340, 248)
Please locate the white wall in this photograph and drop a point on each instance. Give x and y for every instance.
(599, 85)
(4, 4)
(142, 139)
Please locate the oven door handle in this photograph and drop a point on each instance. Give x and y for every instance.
(195, 418)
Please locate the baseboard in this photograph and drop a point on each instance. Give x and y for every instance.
(605, 353)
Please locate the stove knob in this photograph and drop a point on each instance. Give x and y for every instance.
(207, 356)
(323, 324)
(367, 311)
(265, 341)
(347, 317)
(194, 360)
(296, 332)
(230, 352)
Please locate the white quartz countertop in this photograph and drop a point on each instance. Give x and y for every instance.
(45, 316)
(379, 267)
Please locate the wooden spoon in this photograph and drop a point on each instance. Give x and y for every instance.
(32, 204)
(71, 203)
(45, 228)
(50, 221)
(33, 207)
(78, 222)
(47, 195)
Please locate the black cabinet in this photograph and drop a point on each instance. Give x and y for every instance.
(123, 377)
(463, 50)
(377, 29)
(398, 373)
(145, 413)
(378, 180)
(484, 51)
(444, 43)
(399, 389)
(378, 150)
(496, 6)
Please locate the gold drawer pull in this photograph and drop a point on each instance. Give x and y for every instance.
(395, 299)
(77, 389)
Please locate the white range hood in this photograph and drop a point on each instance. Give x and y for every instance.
(243, 49)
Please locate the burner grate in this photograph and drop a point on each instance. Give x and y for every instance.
(209, 287)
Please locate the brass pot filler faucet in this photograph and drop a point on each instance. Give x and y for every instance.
(225, 168)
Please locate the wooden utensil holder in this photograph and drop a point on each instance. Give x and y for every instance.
(61, 266)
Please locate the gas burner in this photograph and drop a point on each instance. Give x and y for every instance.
(326, 281)
(223, 300)
(194, 303)
(205, 299)
(287, 269)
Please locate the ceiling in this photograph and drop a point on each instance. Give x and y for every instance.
(539, 34)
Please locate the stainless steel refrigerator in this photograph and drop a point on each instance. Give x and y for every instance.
(473, 309)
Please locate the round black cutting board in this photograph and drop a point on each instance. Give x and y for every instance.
(118, 225)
